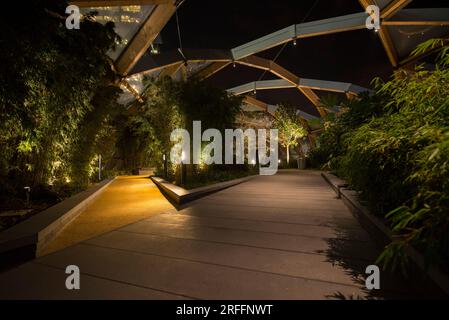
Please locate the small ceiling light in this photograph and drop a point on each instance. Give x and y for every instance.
(294, 42)
(154, 50)
(234, 65)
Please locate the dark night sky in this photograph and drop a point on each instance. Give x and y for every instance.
(355, 56)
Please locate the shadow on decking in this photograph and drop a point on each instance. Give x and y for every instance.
(354, 256)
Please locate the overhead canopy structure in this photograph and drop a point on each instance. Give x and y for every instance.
(190, 61)
(252, 104)
(204, 63)
(401, 30)
(332, 86)
(139, 22)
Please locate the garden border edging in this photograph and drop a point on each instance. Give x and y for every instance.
(379, 230)
(181, 196)
(27, 239)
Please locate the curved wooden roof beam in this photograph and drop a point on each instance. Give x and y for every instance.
(332, 86)
(142, 40)
(305, 86)
(116, 3)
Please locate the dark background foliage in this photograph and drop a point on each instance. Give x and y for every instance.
(393, 147)
(56, 90)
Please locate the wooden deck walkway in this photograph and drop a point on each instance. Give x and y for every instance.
(273, 237)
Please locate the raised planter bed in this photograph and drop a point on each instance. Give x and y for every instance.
(380, 232)
(27, 239)
(335, 182)
(181, 196)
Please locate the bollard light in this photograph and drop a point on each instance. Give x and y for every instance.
(27, 192)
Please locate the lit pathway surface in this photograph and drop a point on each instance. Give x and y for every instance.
(273, 237)
(128, 199)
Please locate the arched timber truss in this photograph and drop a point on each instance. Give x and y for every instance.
(215, 60)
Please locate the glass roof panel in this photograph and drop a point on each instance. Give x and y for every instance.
(407, 38)
(193, 68)
(127, 19)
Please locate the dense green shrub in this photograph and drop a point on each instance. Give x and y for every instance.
(95, 135)
(331, 143)
(393, 147)
(49, 79)
(170, 105)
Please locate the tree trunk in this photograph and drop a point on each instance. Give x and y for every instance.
(299, 153)
(288, 156)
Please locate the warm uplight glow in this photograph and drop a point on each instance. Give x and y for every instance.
(154, 49)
